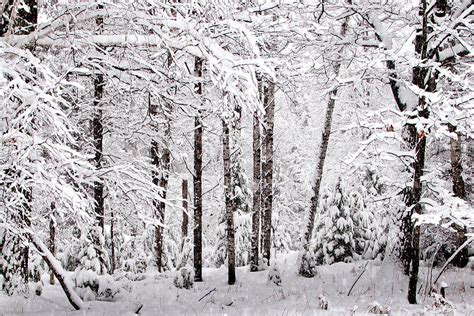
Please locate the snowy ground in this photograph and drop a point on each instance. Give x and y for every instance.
(252, 295)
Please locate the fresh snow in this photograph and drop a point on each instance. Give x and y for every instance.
(382, 285)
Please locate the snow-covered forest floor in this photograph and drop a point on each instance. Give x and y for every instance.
(383, 282)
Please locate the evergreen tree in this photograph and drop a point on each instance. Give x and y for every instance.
(335, 234)
(90, 278)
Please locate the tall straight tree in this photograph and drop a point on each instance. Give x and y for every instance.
(197, 177)
(184, 196)
(267, 166)
(98, 135)
(324, 143)
(257, 176)
(229, 202)
(52, 238)
(161, 159)
(425, 77)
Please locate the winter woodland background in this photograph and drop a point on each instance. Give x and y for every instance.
(242, 157)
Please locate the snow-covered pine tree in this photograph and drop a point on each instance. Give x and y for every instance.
(242, 200)
(90, 277)
(13, 276)
(335, 235)
(367, 229)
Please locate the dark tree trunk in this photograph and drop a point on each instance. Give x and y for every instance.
(197, 179)
(98, 132)
(113, 264)
(417, 190)
(426, 82)
(267, 167)
(52, 238)
(257, 164)
(318, 177)
(459, 191)
(161, 161)
(98, 135)
(184, 195)
(229, 207)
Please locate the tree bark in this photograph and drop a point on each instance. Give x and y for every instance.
(426, 81)
(267, 167)
(161, 161)
(257, 165)
(113, 262)
(323, 149)
(98, 135)
(197, 179)
(229, 207)
(459, 191)
(52, 238)
(184, 195)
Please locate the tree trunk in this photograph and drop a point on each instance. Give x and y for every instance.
(197, 179)
(256, 192)
(229, 207)
(257, 183)
(417, 190)
(318, 177)
(98, 134)
(113, 264)
(267, 167)
(184, 195)
(161, 161)
(459, 191)
(52, 238)
(422, 78)
(58, 271)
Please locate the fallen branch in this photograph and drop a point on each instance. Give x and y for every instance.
(207, 294)
(452, 257)
(360, 275)
(138, 309)
(58, 271)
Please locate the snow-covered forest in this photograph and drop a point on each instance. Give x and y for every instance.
(242, 157)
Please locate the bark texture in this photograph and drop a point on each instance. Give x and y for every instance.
(197, 179)
(184, 195)
(229, 207)
(161, 160)
(52, 239)
(98, 137)
(257, 171)
(425, 80)
(267, 168)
